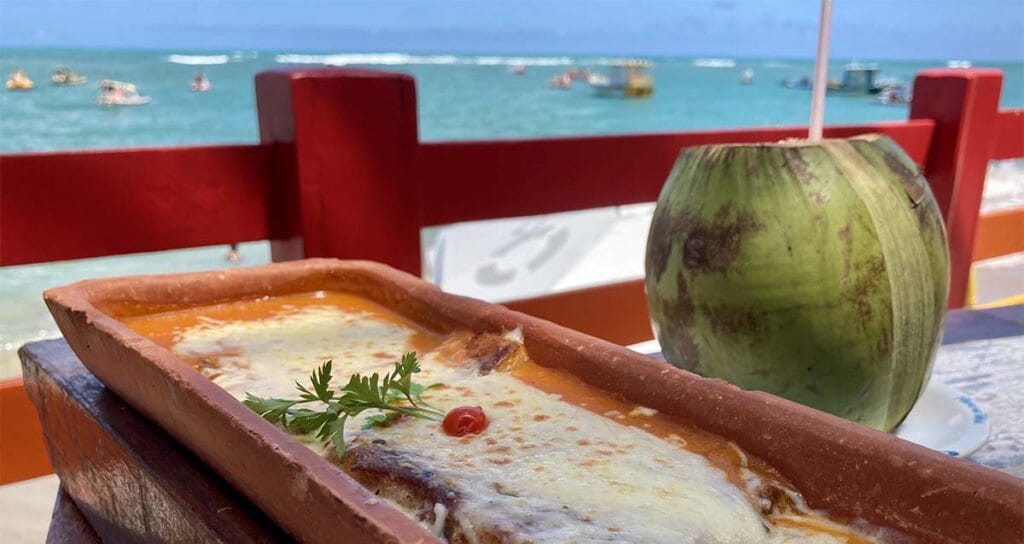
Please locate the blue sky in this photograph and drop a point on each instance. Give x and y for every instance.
(866, 29)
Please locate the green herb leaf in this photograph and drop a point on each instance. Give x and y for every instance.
(273, 410)
(381, 420)
(393, 395)
(304, 420)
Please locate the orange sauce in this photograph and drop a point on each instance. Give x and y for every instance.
(817, 525)
(165, 328)
(718, 451)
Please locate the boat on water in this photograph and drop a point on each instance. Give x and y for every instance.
(794, 83)
(66, 77)
(625, 79)
(958, 64)
(858, 78)
(200, 83)
(560, 81)
(119, 93)
(747, 76)
(19, 81)
(894, 95)
(579, 74)
(886, 82)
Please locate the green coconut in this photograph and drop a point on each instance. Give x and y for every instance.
(816, 271)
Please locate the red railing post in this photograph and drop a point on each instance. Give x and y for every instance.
(345, 141)
(964, 105)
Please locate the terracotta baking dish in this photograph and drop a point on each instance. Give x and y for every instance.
(840, 467)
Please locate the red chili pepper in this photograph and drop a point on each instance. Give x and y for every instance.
(465, 420)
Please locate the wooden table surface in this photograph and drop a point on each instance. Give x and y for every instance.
(983, 357)
(124, 480)
(128, 480)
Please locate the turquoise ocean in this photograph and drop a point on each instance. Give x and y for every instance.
(460, 97)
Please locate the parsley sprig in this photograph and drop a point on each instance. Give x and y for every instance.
(394, 395)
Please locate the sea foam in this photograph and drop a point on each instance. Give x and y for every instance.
(714, 63)
(196, 60)
(391, 59)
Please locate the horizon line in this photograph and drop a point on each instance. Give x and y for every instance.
(229, 50)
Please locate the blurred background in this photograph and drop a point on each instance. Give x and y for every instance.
(484, 70)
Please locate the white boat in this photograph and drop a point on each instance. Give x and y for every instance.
(894, 95)
(66, 77)
(958, 64)
(625, 79)
(858, 77)
(884, 82)
(119, 93)
(200, 84)
(747, 76)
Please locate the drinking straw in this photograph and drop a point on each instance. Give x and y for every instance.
(820, 73)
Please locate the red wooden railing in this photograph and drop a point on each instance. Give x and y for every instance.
(507, 179)
(69, 205)
(341, 172)
(360, 126)
(1009, 135)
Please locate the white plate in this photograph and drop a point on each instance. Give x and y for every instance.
(943, 419)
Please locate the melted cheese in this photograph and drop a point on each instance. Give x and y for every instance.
(600, 481)
(545, 470)
(268, 356)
